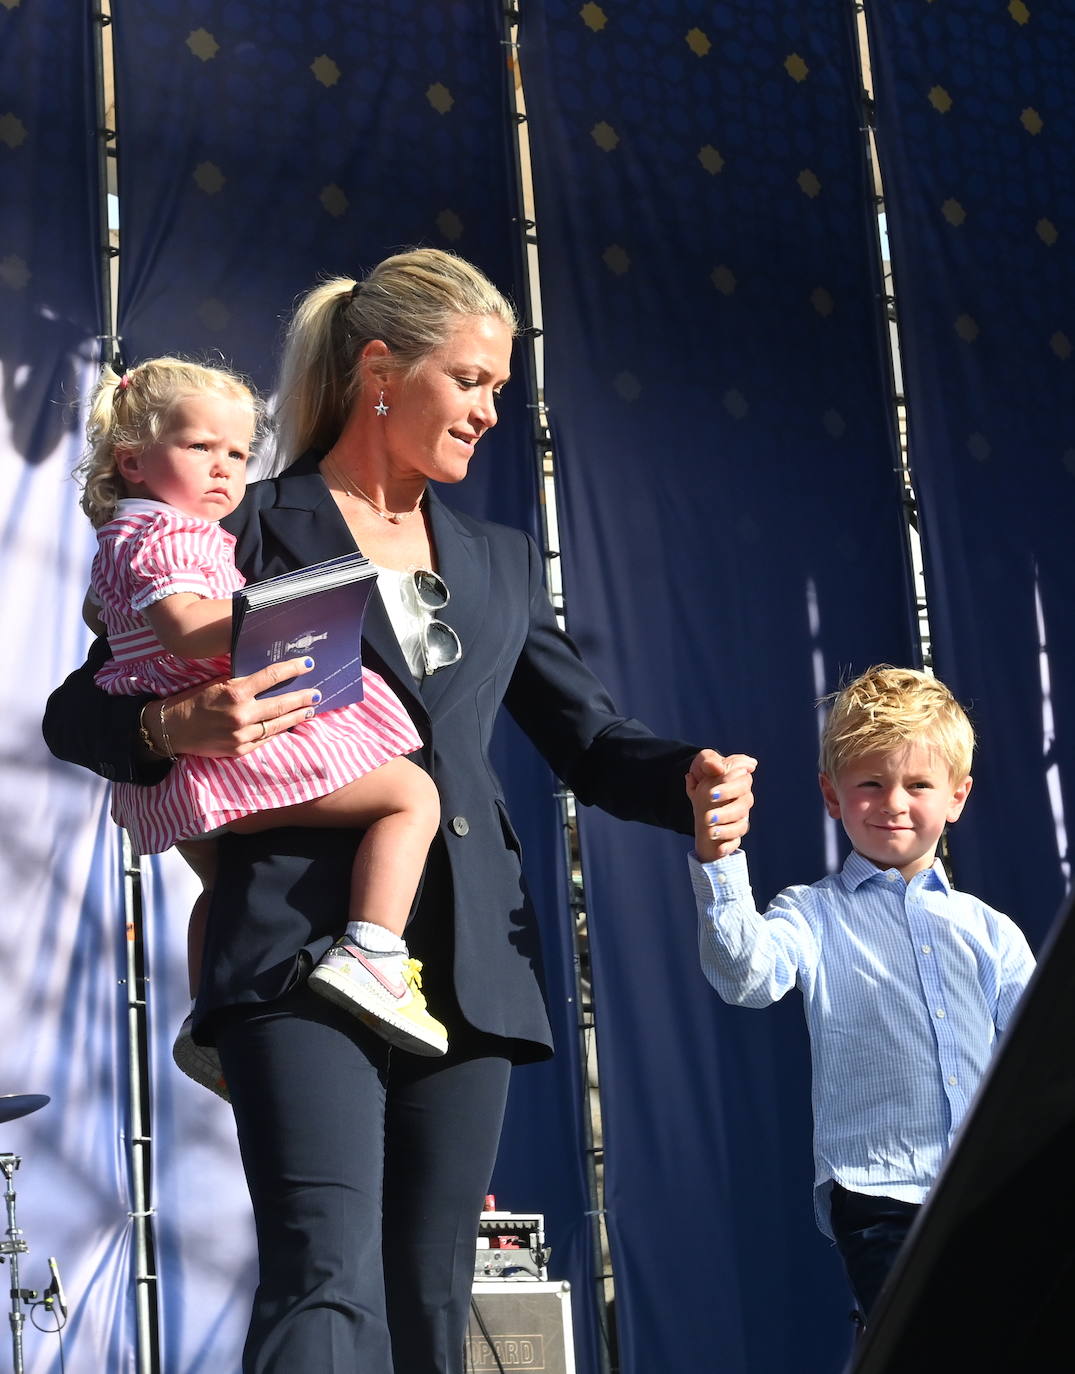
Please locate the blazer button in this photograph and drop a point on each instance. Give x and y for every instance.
(460, 825)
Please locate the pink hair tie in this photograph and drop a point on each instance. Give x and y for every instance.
(124, 382)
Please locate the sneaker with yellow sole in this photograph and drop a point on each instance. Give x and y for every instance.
(385, 991)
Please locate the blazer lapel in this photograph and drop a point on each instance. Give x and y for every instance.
(463, 562)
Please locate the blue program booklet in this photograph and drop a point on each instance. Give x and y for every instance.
(315, 611)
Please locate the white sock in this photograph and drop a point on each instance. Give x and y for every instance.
(378, 938)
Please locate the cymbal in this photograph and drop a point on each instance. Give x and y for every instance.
(14, 1105)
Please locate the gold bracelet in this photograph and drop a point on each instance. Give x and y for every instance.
(148, 740)
(169, 751)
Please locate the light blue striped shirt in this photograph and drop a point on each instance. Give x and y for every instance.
(905, 987)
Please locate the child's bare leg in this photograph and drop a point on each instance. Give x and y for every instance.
(199, 1062)
(398, 807)
(370, 972)
(202, 858)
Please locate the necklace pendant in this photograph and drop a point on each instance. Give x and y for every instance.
(393, 518)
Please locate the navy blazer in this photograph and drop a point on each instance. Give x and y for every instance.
(285, 890)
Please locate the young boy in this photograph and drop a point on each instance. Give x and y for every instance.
(906, 982)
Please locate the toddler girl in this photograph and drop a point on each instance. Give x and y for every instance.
(166, 461)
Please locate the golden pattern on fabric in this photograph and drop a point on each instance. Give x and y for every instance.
(214, 314)
(822, 301)
(209, 178)
(14, 272)
(953, 212)
(809, 184)
(450, 225)
(1061, 345)
(605, 136)
(202, 44)
(796, 67)
(723, 278)
(711, 160)
(593, 16)
(940, 99)
(334, 200)
(616, 259)
(1047, 231)
(440, 97)
(698, 43)
(12, 130)
(325, 70)
(1031, 121)
(1019, 12)
(967, 328)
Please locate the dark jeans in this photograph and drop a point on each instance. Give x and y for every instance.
(869, 1231)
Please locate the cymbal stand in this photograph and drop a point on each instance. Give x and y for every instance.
(12, 1248)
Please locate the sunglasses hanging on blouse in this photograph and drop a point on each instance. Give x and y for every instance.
(440, 643)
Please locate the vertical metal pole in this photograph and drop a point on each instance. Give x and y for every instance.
(14, 1246)
(525, 218)
(140, 1141)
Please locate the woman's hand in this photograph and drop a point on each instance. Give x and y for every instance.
(721, 791)
(223, 718)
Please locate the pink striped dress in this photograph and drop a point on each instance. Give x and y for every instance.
(149, 551)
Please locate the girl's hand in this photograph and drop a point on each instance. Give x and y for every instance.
(721, 792)
(223, 719)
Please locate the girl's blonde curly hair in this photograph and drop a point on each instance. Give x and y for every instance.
(130, 410)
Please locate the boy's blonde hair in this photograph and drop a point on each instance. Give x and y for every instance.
(130, 410)
(888, 708)
(411, 301)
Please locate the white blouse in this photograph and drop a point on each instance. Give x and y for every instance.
(407, 616)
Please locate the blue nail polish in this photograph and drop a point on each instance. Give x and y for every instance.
(714, 796)
(308, 662)
(316, 697)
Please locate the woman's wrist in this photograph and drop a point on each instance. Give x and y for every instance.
(153, 730)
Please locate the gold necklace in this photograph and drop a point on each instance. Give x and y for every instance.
(393, 517)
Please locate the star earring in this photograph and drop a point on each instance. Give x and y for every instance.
(380, 407)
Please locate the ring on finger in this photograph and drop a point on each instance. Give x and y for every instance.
(264, 731)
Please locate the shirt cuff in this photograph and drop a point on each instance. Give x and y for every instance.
(722, 880)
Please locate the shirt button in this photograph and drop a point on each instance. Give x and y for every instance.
(940, 1012)
(952, 1079)
(892, 877)
(460, 825)
(722, 879)
(927, 949)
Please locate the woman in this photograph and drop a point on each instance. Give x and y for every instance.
(386, 385)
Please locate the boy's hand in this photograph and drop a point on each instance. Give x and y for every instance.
(721, 791)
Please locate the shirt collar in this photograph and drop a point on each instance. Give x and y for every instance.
(857, 870)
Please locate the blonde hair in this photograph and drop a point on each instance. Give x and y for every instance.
(411, 301)
(888, 708)
(131, 410)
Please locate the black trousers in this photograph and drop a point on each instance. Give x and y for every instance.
(367, 1169)
(869, 1231)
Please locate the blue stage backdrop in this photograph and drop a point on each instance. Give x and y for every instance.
(976, 127)
(261, 147)
(731, 536)
(732, 547)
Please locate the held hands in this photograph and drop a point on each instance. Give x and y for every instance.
(223, 719)
(720, 789)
